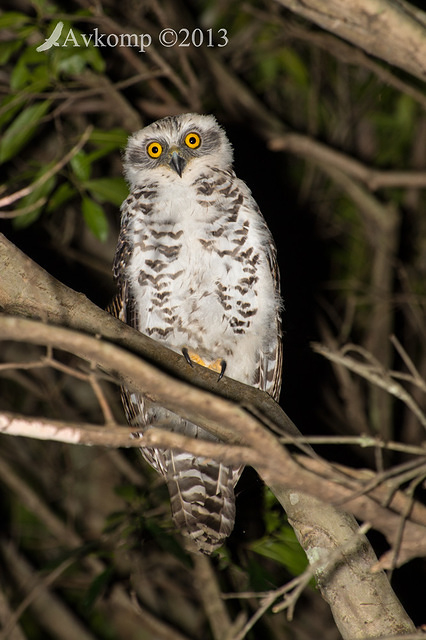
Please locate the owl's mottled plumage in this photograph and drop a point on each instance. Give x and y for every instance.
(196, 270)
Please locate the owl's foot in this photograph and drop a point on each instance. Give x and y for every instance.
(218, 365)
(191, 357)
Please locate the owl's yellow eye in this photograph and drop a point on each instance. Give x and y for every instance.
(192, 140)
(154, 149)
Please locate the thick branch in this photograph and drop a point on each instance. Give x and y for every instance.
(27, 289)
(349, 584)
(392, 31)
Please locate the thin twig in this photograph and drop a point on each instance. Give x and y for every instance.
(7, 200)
(404, 516)
(41, 582)
(377, 375)
(210, 597)
(362, 441)
(21, 212)
(102, 400)
(292, 590)
(260, 448)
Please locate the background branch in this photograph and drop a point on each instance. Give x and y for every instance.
(371, 25)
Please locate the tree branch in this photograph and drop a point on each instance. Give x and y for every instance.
(392, 31)
(42, 296)
(321, 154)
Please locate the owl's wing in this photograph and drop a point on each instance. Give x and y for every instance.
(268, 373)
(272, 362)
(123, 306)
(135, 404)
(132, 402)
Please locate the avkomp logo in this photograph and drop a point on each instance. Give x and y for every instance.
(52, 40)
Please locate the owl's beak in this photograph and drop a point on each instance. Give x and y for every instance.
(177, 163)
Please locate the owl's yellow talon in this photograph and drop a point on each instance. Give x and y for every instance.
(218, 365)
(191, 357)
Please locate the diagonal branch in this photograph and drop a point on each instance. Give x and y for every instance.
(39, 295)
(10, 199)
(374, 373)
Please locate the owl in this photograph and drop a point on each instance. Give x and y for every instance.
(196, 270)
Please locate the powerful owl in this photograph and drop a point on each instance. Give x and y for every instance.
(196, 270)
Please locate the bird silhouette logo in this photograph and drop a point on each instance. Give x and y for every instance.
(52, 40)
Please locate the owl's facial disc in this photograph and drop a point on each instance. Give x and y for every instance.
(177, 163)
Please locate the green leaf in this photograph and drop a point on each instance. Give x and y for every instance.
(29, 69)
(73, 55)
(9, 107)
(44, 6)
(95, 218)
(72, 65)
(284, 548)
(7, 49)
(112, 190)
(116, 137)
(94, 59)
(62, 194)
(22, 129)
(13, 19)
(405, 113)
(128, 492)
(26, 219)
(116, 520)
(260, 578)
(166, 541)
(98, 587)
(294, 65)
(81, 165)
(40, 192)
(20, 75)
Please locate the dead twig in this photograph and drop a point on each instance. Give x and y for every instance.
(374, 373)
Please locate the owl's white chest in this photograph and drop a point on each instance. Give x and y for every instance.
(199, 273)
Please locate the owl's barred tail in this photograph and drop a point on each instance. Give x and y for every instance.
(202, 499)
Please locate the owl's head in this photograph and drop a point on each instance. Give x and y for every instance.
(177, 144)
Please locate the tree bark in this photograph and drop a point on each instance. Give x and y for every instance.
(362, 601)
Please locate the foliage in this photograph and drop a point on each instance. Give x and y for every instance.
(279, 542)
(25, 116)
